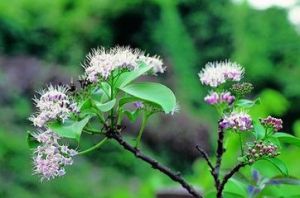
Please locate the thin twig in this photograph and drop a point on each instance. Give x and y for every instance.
(212, 168)
(155, 164)
(205, 156)
(227, 177)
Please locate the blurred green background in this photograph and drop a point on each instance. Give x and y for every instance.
(43, 41)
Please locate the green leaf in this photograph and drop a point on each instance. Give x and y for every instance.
(97, 94)
(284, 180)
(236, 187)
(107, 91)
(274, 140)
(244, 103)
(287, 138)
(232, 195)
(31, 141)
(69, 128)
(259, 130)
(127, 77)
(153, 92)
(211, 194)
(279, 164)
(106, 106)
(132, 115)
(126, 100)
(247, 103)
(86, 104)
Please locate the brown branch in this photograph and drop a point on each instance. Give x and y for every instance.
(205, 156)
(220, 150)
(212, 169)
(227, 177)
(156, 165)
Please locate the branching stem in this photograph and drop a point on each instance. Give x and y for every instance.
(215, 170)
(227, 177)
(155, 164)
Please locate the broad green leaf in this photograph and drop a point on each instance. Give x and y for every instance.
(279, 164)
(212, 194)
(88, 112)
(153, 92)
(86, 108)
(105, 106)
(127, 77)
(107, 91)
(97, 94)
(259, 130)
(237, 187)
(86, 104)
(31, 141)
(126, 100)
(232, 195)
(287, 138)
(69, 128)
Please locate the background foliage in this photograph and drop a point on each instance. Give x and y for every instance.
(40, 40)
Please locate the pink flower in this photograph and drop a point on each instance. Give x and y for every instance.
(224, 97)
(227, 97)
(213, 98)
(270, 121)
(138, 105)
(53, 104)
(238, 121)
(50, 158)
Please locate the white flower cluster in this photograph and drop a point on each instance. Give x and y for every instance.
(50, 158)
(102, 62)
(52, 104)
(155, 62)
(217, 73)
(237, 121)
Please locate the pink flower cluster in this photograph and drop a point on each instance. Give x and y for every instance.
(53, 103)
(50, 158)
(261, 149)
(238, 121)
(224, 97)
(270, 121)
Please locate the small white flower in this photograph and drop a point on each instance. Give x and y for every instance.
(101, 62)
(50, 158)
(52, 104)
(217, 73)
(155, 62)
